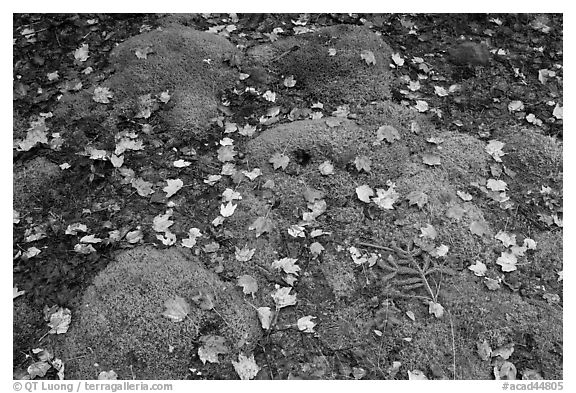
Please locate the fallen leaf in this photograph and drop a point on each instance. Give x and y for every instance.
(142, 53)
(296, 231)
(428, 232)
(282, 297)
(464, 196)
(491, 284)
(261, 225)
(331, 52)
(483, 349)
(265, 316)
(478, 228)
(440, 251)
(226, 153)
(506, 371)
(305, 324)
(212, 179)
(388, 133)
(176, 309)
(496, 185)
(416, 375)
(269, 96)
(60, 321)
(228, 209)
(203, 300)
(421, 106)
(102, 95)
(430, 159)
(249, 284)
(247, 130)
(168, 238)
(506, 239)
(494, 148)
(16, 292)
(368, 57)
(478, 268)
(253, 174)
(288, 265)
(385, 199)
(397, 59)
(507, 261)
(289, 81)
(90, 239)
(81, 54)
(364, 192)
(38, 369)
(326, 168)
(84, 249)
(246, 367)
(116, 161)
(515, 106)
(279, 160)
(440, 91)
(505, 351)
(558, 112)
(417, 198)
(316, 248)
(244, 254)
(211, 347)
(436, 309)
(162, 222)
(362, 163)
(143, 188)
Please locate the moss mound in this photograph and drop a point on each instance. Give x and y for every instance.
(342, 78)
(187, 63)
(120, 324)
(32, 179)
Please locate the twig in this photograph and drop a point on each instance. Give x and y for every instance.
(376, 246)
(453, 346)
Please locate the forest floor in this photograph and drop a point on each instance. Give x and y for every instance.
(519, 88)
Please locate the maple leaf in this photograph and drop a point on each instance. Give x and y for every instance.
(428, 231)
(368, 57)
(515, 106)
(362, 163)
(440, 251)
(464, 195)
(249, 284)
(211, 347)
(558, 112)
(414, 85)
(436, 309)
(305, 324)
(226, 153)
(247, 130)
(102, 95)
(440, 91)
(265, 316)
(331, 52)
(416, 375)
(116, 161)
(203, 300)
(506, 239)
(162, 222)
(316, 249)
(364, 192)
(38, 369)
(193, 234)
(142, 53)
(326, 168)
(456, 212)
(505, 371)
(168, 238)
(90, 239)
(279, 160)
(507, 261)
(385, 199)
(496, 185)
(491, 284)
(483, 349)
(228, 169)
(176, 309)
(16, 292)
(319, 232)
(252, 174)
(230, 195)
(133, 237)
(478, 268)
(282, 297)
(296, 231)
(417, 198)
(397, 59)
(228, 209)
(143, 187)
(174, 185)
(244, 254)
(212, 179)
(421, 106)
(164, 97)
(269, 96)
(530, 244)
(107, 375)
(494, 148)
(261, 225)
(33, 137)
(357, 256)
(128, 144)
(84, 249)
(289, 81)
(388, 133)
(288, 265)
(430, 159)
(81, 54)
(59, 320)
(246, 367)
(341, 111)
(478, 228)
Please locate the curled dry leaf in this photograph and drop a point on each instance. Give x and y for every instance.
(176, 309)
(246, 367)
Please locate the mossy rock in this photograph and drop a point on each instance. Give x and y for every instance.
(344, 78)
(27, 321)
(186, 62)
(32, 179)
(120, 325)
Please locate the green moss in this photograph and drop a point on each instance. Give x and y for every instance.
(120, 324)
(334, 80)
(178, 64)
(31, 180)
